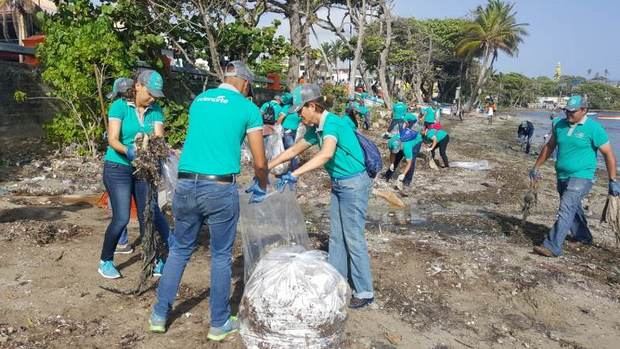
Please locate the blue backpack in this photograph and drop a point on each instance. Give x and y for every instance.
(372, 156)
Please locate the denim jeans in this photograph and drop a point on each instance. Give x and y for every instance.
(121, 185)
(348, 250)
(571, 217)
(196, 202)
(442, 151)
(289, 141)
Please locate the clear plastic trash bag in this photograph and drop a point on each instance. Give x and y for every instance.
(295, 299)
(274, 146)
(275, 222)
(170, 171)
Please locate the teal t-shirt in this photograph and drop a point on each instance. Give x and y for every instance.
(131, 125)
(409, 146)
(440, 135)
(219, 120)
(292, 119)
(429, 115)
(411, 117)
(577, 146)
(348, 158)
(363, 111)
(277, 109)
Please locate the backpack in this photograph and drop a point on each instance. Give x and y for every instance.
(372, 156)
(269, 115)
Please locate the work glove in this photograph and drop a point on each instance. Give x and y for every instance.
(284, 180)
(535, 175)
(401, 177)
(131, 152)
(257, 194)
(614, 188)
(392, 167)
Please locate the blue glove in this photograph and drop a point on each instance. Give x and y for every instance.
(614, 188)
(535, 174)
(286, 179)
(257, 194)
(131, 152)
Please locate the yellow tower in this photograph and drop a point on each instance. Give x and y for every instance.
(558, 71)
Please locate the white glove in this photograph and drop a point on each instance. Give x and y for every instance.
(392, 167)
(401, 177)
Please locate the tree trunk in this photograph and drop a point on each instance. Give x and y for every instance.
(484, 68)
(361, 31)
(296, 35)
(384, 54)
(308, 59)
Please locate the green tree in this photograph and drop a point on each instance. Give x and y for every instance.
(80, 55)
(495, 28)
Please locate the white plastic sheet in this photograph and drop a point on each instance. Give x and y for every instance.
(482, 165)
(295, 299)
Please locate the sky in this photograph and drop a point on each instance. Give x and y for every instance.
(580, 34)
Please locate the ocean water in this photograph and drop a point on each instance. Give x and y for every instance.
(542, 126)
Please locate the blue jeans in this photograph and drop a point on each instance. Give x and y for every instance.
(289, 140)
(121, 185)
(348, 250)
(194, 203)
(571, 217)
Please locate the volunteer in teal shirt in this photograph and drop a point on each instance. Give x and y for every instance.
(578, 139)
(206, 193)
(290, 123)
(437, 139)
(399, 109)
(342, 156)
(429, 115)
(399, 150)
(274, 106)
(130, 120)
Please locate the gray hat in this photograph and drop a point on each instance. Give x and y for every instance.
(305, 93)
(240, 70)
(121, 85)
(153, 82)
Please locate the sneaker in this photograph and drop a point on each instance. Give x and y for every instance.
(357, 303)
(543, 251)
(219, 333)
(108, 270)
(159, 268)
(123, 249)
(157, 324)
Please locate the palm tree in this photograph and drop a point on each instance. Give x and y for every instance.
(494, 29)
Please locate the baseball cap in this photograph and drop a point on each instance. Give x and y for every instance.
(153, 82)
(287, 98)
(399, 109)
(394, 145)
(576, 102)
(305, 93)
(121, 85)
(239, 70)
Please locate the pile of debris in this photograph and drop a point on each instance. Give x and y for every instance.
(40, 233)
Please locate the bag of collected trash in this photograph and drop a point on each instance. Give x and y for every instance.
(611, 215)
(294, 299)
(275, 222)
(274, 145)
(169, 173)
(481, 165)
(246, 155)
